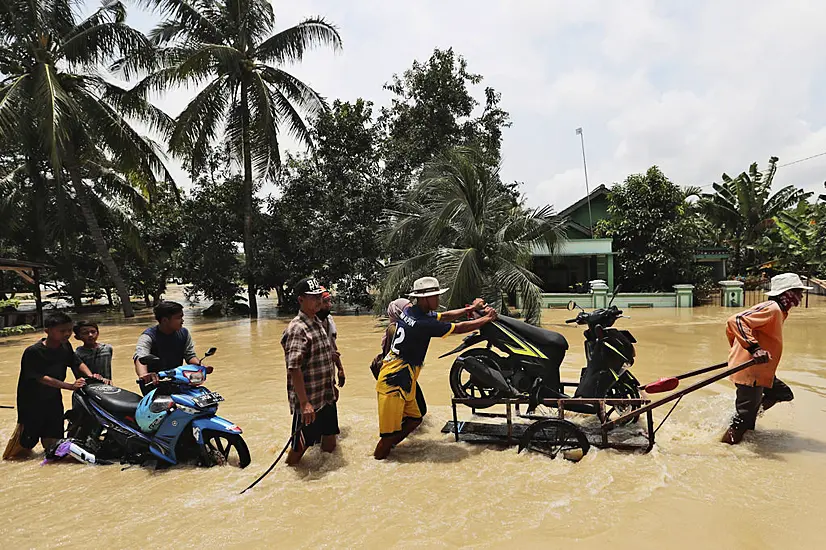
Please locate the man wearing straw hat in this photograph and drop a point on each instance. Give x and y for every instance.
(758, 333)
(399, 413)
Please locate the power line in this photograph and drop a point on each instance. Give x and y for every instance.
(780, 165)
(802, 160)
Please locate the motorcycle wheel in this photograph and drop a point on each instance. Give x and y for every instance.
(624, 390)
(464, 386)
(80, 425)
(221, 448)
(554, 436)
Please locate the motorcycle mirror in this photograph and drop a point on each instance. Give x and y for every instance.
(614, 295)
(573, 305)
(149, 359)
(211, 351)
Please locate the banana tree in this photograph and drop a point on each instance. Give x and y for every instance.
(744, 208)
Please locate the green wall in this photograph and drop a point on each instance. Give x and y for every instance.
(599, 210)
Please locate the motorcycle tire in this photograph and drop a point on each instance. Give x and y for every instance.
(627, 389)
(471, 388)
(217, 448)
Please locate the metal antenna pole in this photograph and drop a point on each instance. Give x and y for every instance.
(587, 189)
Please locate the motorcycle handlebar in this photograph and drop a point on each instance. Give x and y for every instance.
(162, 376)
(585, 318)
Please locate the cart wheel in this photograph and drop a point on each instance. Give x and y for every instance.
(466, 386)
(554, 436)
(624, 390)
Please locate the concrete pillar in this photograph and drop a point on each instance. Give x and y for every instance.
(599, 290)
(685, 295)
(732, 292)
(611, 272)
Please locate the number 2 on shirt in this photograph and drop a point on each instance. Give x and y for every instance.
(398, 339)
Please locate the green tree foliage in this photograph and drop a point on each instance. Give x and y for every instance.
(229, 46)
(432, 110)
(472, 236)
(55, 103)
(211, 228)
(798, 242)
(654, 236)
(151, 247)
(328, 218)
(743, 209)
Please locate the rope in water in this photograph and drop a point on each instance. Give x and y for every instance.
(284, 450)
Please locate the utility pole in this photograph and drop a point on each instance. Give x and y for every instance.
(587, 189)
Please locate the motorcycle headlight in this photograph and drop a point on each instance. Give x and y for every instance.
(195, 377)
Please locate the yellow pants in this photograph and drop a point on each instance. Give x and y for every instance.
(396, 391)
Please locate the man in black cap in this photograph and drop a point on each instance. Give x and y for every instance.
(311, 372)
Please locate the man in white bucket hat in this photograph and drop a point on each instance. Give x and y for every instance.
(758, 333)
(399, 412)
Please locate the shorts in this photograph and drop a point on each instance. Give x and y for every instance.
(394, 410)
(326, 423)
(45, 423)
(397, 391)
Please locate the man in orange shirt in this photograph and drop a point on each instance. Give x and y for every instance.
(758, 333)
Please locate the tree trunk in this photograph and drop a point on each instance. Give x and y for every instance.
(146, 299)
(249, 245)
(76, 295)
(109, 296)
(279, 292)
(100, 242)
(73, 286)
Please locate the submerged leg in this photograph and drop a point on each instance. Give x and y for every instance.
(746, 404)
(778, 393)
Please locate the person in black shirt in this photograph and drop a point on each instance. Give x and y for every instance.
(168, 340)
(42, 376)
(399, 412)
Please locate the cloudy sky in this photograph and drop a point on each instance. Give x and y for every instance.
(698, 88)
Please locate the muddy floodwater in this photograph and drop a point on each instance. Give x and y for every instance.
(690, 492)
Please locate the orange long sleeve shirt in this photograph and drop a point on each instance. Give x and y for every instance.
(760, 326)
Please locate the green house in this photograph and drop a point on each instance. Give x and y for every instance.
(581, 258)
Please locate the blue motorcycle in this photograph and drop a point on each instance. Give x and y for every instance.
(176, 422)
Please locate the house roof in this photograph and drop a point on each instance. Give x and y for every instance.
(596, 193)
(569, 223)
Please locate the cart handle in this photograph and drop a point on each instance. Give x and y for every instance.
(668, 384)
(679, 394)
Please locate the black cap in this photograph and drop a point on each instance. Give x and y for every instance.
(307, 286)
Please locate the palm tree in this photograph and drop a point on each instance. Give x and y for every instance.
(228, 46)
(53, 99)
(471, 235)
(743, 208)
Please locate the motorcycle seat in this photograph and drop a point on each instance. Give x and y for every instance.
(537, 336)
(115, 400)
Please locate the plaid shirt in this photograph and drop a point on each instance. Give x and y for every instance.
(307, 347)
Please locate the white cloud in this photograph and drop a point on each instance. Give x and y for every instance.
(697, 88)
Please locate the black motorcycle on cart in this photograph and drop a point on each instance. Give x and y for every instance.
(533, 355)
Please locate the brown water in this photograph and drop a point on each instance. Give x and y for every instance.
(689, 492)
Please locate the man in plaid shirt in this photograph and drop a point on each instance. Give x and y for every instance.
(311, 371)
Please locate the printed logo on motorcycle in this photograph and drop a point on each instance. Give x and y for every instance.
(102, 388)
(525, 348)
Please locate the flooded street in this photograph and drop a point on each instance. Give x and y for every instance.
(691, 491)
